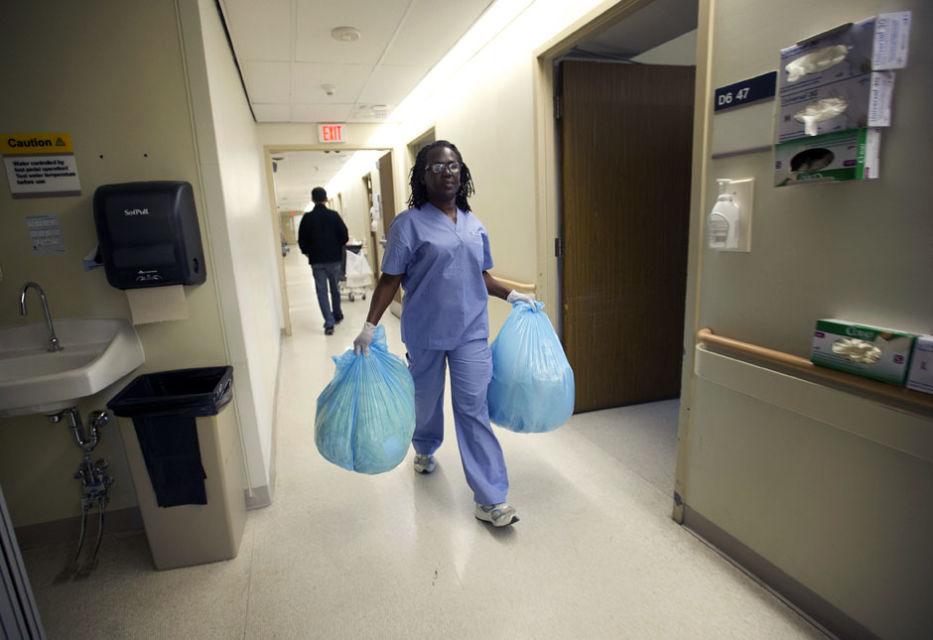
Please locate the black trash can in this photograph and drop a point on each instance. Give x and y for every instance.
(183, 447)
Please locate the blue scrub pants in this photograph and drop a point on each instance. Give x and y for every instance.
(470, 372)
(328, 273)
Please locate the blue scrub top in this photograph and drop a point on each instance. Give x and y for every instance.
(442, 266)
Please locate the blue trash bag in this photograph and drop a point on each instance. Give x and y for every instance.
(532, 383)
(366, 414)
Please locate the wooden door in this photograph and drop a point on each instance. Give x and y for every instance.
(373, 252)
(626, 138)
(387, 195)
(387, 186)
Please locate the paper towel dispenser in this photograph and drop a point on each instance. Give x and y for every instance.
(149, 234)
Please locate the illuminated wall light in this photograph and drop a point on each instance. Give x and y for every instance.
(542, 19)
(494, 20)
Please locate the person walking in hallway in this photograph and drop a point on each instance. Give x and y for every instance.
(438, 251)
(322, 236)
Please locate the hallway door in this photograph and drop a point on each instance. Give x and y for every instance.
(626, 138)
(387, 199)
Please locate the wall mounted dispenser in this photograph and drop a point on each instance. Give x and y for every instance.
(149, 234)
(728, 226)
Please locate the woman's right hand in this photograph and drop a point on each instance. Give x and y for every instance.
(515, 296)
(362, 342)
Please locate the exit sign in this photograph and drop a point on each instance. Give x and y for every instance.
(330, 132)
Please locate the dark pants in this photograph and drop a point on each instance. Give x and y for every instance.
(324, 274)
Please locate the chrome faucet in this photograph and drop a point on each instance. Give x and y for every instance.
(53, 341)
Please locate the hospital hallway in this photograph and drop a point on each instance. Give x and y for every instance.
(345, 555)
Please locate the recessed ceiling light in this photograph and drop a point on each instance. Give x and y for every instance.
(345, 34)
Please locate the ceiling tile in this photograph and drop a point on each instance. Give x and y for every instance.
(321, 112)
(267, 81)
(272, 112)
(347, 79)
(446, 22)
(260, 30)
(391, 83)
(316, 18)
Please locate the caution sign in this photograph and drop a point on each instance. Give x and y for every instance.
(40, 164)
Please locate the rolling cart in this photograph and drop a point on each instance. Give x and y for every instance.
(357, 276)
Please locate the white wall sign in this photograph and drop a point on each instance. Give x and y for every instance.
(45, 235)
(39, 164)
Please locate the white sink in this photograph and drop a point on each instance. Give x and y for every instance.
(97, 352)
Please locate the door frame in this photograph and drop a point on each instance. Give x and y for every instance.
(546, 143)
(270, 150)
(547, 190)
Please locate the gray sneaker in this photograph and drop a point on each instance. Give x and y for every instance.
(498, 515)
(424, 463)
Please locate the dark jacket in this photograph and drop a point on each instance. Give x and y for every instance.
(321, 235)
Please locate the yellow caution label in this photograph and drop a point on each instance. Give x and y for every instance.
(22, 144)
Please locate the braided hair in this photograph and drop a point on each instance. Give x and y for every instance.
(419, 193)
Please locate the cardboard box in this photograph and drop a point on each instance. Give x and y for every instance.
(873, 352)
(847, 155)
(920, 377)
(876, 44)
(865, 101)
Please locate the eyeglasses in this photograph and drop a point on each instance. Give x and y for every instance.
(438, 167)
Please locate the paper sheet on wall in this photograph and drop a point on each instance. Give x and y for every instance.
(157, 304)
(45, 235)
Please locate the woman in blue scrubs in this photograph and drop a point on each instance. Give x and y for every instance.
(438, 251)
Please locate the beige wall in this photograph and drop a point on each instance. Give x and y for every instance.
(855, 250)
(117, 79)
(828, 491)
(243, 240)
(129, 123)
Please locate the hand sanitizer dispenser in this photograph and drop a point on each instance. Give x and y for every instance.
(728, 225)
(149, 234)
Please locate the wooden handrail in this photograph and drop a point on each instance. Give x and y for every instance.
(523, 287)
(901, 394)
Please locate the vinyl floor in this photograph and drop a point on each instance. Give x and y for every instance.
(399, 555)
